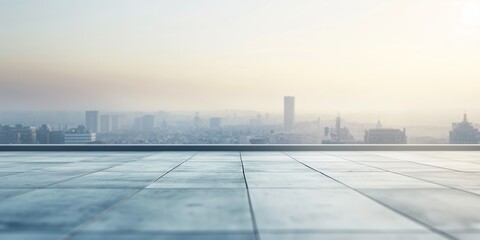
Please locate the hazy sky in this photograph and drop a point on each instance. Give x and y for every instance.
(370, 56)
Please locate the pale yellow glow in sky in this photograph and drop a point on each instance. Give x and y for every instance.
(373, 56)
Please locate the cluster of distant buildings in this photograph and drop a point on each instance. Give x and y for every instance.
(19, 134)
(377, 135)
(462, 133)
(342, 135)
(95, 125)
(106, 123)
(110, 128)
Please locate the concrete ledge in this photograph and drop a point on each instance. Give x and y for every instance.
(240, 147)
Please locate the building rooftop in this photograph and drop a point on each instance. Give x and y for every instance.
(240, 195)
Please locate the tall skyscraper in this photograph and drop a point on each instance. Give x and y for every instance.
(288, 113)
(91, 121)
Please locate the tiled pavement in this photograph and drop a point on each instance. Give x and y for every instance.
(233, 195)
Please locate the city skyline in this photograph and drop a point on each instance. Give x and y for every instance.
(168, 129)
(253, 119)
(27, 117)
(163, 127)
(373, 57)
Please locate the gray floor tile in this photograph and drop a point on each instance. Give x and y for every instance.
(352, 236)
(368, 158)
(402, 155)
(206, 196)
(348, 153)
(275, 166)
(323, 209)
(35, 179)
(476, 191)
(319, 158)
(403, 166)
(211, 166)
(445, 209)
(25, 166)
(179, 210)
(467, 236)
(450, 178)
(2, 174)
(266, 158)
(200, 180)
(145, 166)
(55, 209)
(8, 193)
(262, 153)
(31, 236)
(80, 167)
(111, 180)
(210, 158)
(165, 236)
(454, 165)
(290, 180)
(266, 155)
(340, 166)
(379, 180)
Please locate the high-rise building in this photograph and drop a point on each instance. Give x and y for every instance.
(288, 113)
(215, 122)
(79, 135)
(91, 121)
(380, 135)
(464, 133)
(105, 124)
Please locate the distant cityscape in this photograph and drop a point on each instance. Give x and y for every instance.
(155, 128)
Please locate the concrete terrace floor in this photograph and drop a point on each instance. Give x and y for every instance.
(233, 195)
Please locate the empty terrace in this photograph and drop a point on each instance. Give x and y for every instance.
(240, 195)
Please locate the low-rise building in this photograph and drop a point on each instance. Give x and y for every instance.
(18, 134)
(464, 133)
(79, 135)
(380, 135)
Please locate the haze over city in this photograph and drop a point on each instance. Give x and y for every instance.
(247, 120)
(403, 61)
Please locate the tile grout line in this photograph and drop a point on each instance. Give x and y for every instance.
(445, 158)
(433, 229)
(65, 180)
(96, 171)
(77, 229)
(419, 163)
(252, 213)
(416, 178)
